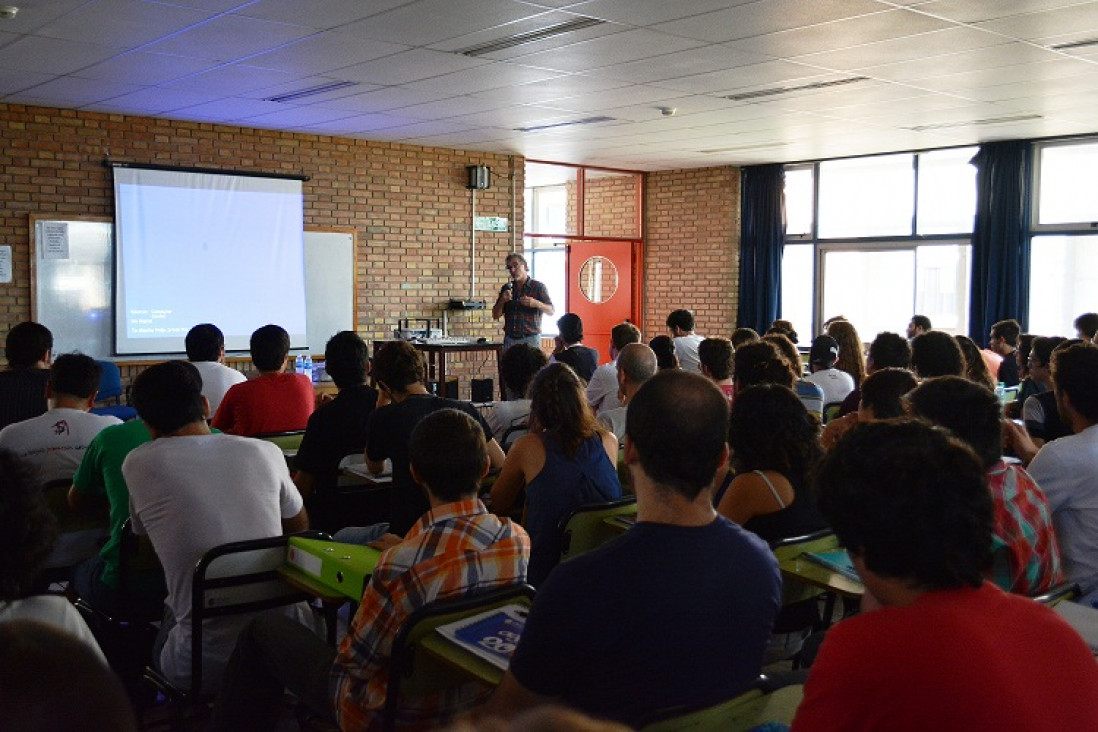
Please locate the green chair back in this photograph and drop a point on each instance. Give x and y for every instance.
(585, 529)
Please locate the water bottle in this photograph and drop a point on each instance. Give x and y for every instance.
(299, 364)
(1000, 392)
(308, 371)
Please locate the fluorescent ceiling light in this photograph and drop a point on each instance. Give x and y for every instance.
(1074, 44)
(521, 39)
(789, 89)
(332, 86)
(973, 122)
(584, 121)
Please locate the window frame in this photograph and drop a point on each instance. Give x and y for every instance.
(1071, 227)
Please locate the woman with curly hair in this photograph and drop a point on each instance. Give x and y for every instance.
(851, 349)
(775, 449)
(664, 349)
(975, 367)
(566, 460)
(28, 531)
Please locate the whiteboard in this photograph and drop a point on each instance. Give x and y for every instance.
(71, 293)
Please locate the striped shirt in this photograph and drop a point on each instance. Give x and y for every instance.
(452, 550)
(1022, 533)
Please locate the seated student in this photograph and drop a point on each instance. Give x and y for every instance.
(1040, 411)
(674, 613)
(851, 349)
(28, 531)
(583, 359)
(1027, 555)
(775, 448)
(882, 395)
(455, 548)
(636, 364)
(810, 395)
(1004, 341)
(665, 352)
(54, 442)
(190, 491)
(836, 383)
(50, 680)
(338, 427)
(743, 336)
(403, 400)
(680, 324)
(602, 389)
(715, 363)
(888, 350)
(271, 402)
(98, 479)
(205, 345)
(28, 350)
(976, 370)
(566, 460)
(518, 366)
(946, 650)
(936, 353)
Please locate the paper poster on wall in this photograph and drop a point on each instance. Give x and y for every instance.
(55, 240)
(5, 265)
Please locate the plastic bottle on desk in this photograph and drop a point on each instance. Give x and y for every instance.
(299, 364)
(308, 370)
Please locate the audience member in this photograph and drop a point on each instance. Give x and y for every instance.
(205, 345)
(936, 354)
(715, 363)
(1064, 468)
(274, 401)
(455, 548)
(761, 363)
(28, 531)
(811, 395)
(836, 383)
(743, 336)
(336, 429)
(888, 350)
(976, 370)
(1027, 556)
(851, 350)
(911, 506)
(604, 626)
(680, 323)
(636, 365)
(882, 395)
(28, 350)
(1028, 387)
(583, 359)
(98, 479)
(665, 352)
(567, 460)
(54, 442)
(775, 448)
(190, 491)
(519, 365)
(919, 324)
(50, 680)
(1041, 411)
(786, 328)
(1086, 326)
(602, 390)
(1004, 341)
(521, 303)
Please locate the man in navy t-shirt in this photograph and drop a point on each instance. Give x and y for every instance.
(675, 613)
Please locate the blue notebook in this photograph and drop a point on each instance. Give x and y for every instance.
(492, 635)
(837, 561)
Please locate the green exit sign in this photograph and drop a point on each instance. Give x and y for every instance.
(490, 223)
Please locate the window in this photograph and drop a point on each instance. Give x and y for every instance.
(892, 240)
(547, 266)
(1067, 184)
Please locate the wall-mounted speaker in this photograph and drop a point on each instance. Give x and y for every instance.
(480, 177)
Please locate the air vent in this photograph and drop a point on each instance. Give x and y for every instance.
(323, 88)
(584, 121)
(521, 39)
(1074, 44)
(974, 122)
(788, 89)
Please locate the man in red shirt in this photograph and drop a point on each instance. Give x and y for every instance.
(935, 646)
(273, 401)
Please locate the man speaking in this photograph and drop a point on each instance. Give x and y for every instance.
(521, 303)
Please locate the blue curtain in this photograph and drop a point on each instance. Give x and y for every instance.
(762, 240)
(1000, 250)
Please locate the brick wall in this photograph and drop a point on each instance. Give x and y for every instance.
(610, 205)
(408, 205)
(692, 225)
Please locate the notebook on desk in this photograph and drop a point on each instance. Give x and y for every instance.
(491, 635)
(345, 568)
(837, 561)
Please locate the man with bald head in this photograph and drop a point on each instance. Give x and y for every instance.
(636, 365)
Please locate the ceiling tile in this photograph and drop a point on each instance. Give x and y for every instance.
(706, 59)
(318, 14)
(51, 55)
(526, 25)
(152, 101)
(79, 91)
(908, 48)
(1077, 19)
(325, 52)
(841, 34)
(490, 76)
(231, 79)
(13, 81)
(765, 16)
(630, 45)
(407, 66)
(123, 23)
(136, 67)
(230, 37)
(429, 21)
(975, 11)
(771, 73)
(649, 12)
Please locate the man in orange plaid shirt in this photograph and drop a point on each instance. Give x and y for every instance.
(455, 548)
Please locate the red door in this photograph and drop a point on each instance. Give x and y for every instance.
(602, 289)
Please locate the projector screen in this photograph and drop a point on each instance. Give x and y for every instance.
(200, 247)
